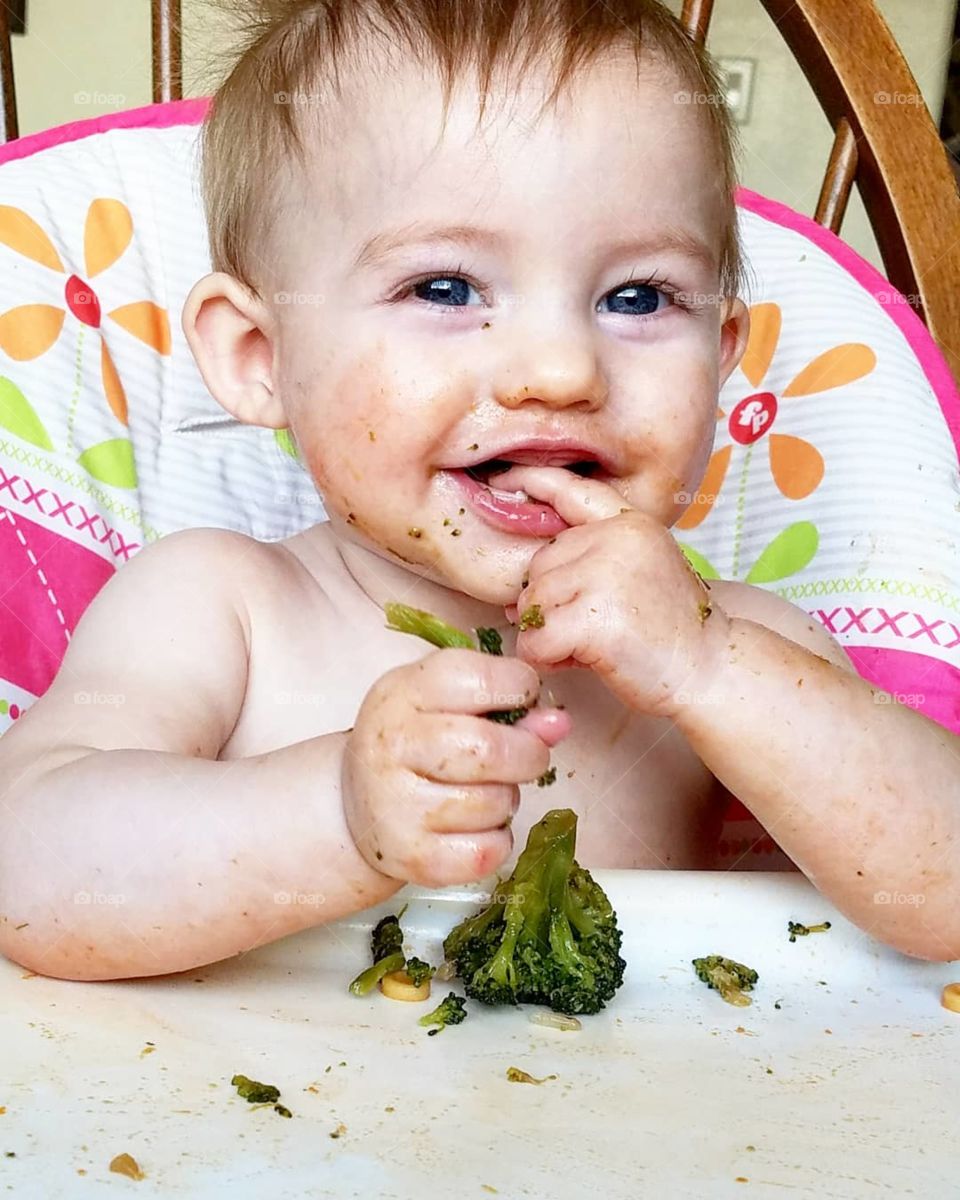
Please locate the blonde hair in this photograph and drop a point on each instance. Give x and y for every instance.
(290, 48)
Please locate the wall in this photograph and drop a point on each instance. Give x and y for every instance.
(69, 66)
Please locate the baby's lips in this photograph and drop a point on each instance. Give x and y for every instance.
(551, 725)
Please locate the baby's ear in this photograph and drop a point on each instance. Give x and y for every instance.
(229, 331)
(734, 331)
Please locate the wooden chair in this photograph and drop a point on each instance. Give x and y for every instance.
(892, 152)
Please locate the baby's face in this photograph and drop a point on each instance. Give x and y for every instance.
(538, 291)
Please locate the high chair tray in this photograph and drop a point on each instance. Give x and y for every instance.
(840, 1080)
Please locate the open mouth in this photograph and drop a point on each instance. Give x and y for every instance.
(484, 471)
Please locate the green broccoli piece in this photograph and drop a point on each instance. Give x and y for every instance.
(386, 944)
(403, 619)
(254, 1092)
(490, 641)
(549, 935)
(531, 618)
(731, 979)
(795, 929)
(449, 1012)
(418, 971)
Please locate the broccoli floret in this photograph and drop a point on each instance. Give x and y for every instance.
(450, 1011)
(795, 929)
(549, 935)
(386, 944)
(418, 971)
(731, 979)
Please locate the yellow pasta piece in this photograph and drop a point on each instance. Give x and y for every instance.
(951, 997)
(397, 985)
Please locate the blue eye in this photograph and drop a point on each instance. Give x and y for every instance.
(449, 290)
(636, 300)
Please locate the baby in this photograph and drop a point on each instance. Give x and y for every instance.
(481, 260)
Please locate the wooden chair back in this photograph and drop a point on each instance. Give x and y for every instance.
(891, 151)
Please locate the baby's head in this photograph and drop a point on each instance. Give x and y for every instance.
(419, 213)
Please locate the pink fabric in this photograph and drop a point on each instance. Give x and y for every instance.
(926, 684)
(46, 582)
(151, 116)
(896, 305)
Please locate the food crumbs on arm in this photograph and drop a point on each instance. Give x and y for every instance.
(795, 929)
(731, 979)
(515, 1075)
(531, 618)
(704, 609)
(126, 1164)
(372, 435)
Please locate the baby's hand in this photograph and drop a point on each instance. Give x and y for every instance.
(615, 594)
(430, 785)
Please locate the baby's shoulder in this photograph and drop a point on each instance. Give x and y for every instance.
(765, 608)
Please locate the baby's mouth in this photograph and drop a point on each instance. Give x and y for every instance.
(485, 471)
(515, 512)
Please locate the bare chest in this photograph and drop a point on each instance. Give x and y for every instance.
(643, 797)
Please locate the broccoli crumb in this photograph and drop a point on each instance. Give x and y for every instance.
(451, 1011)
(474, 446)
(282, 1110)
(515, 1075)
(731, 979)
(795, 929)
(531, 618)
(704, 609)
(547, 778)
(372, 435)
(254, 1092)
(455, 532)
(414, 532)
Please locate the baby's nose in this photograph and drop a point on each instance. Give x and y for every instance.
(559, 371)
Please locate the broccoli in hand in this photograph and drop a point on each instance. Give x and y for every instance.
(731, 979)
(449, 1012)
(549, 935)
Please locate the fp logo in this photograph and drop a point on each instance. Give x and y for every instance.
(753, 417)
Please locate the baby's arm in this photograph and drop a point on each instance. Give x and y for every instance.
(126, 848)
(863, 796)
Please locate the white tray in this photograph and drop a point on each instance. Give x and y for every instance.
(849, 1089)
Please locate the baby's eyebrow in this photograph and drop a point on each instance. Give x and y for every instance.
(677, 241)
(375, 249)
